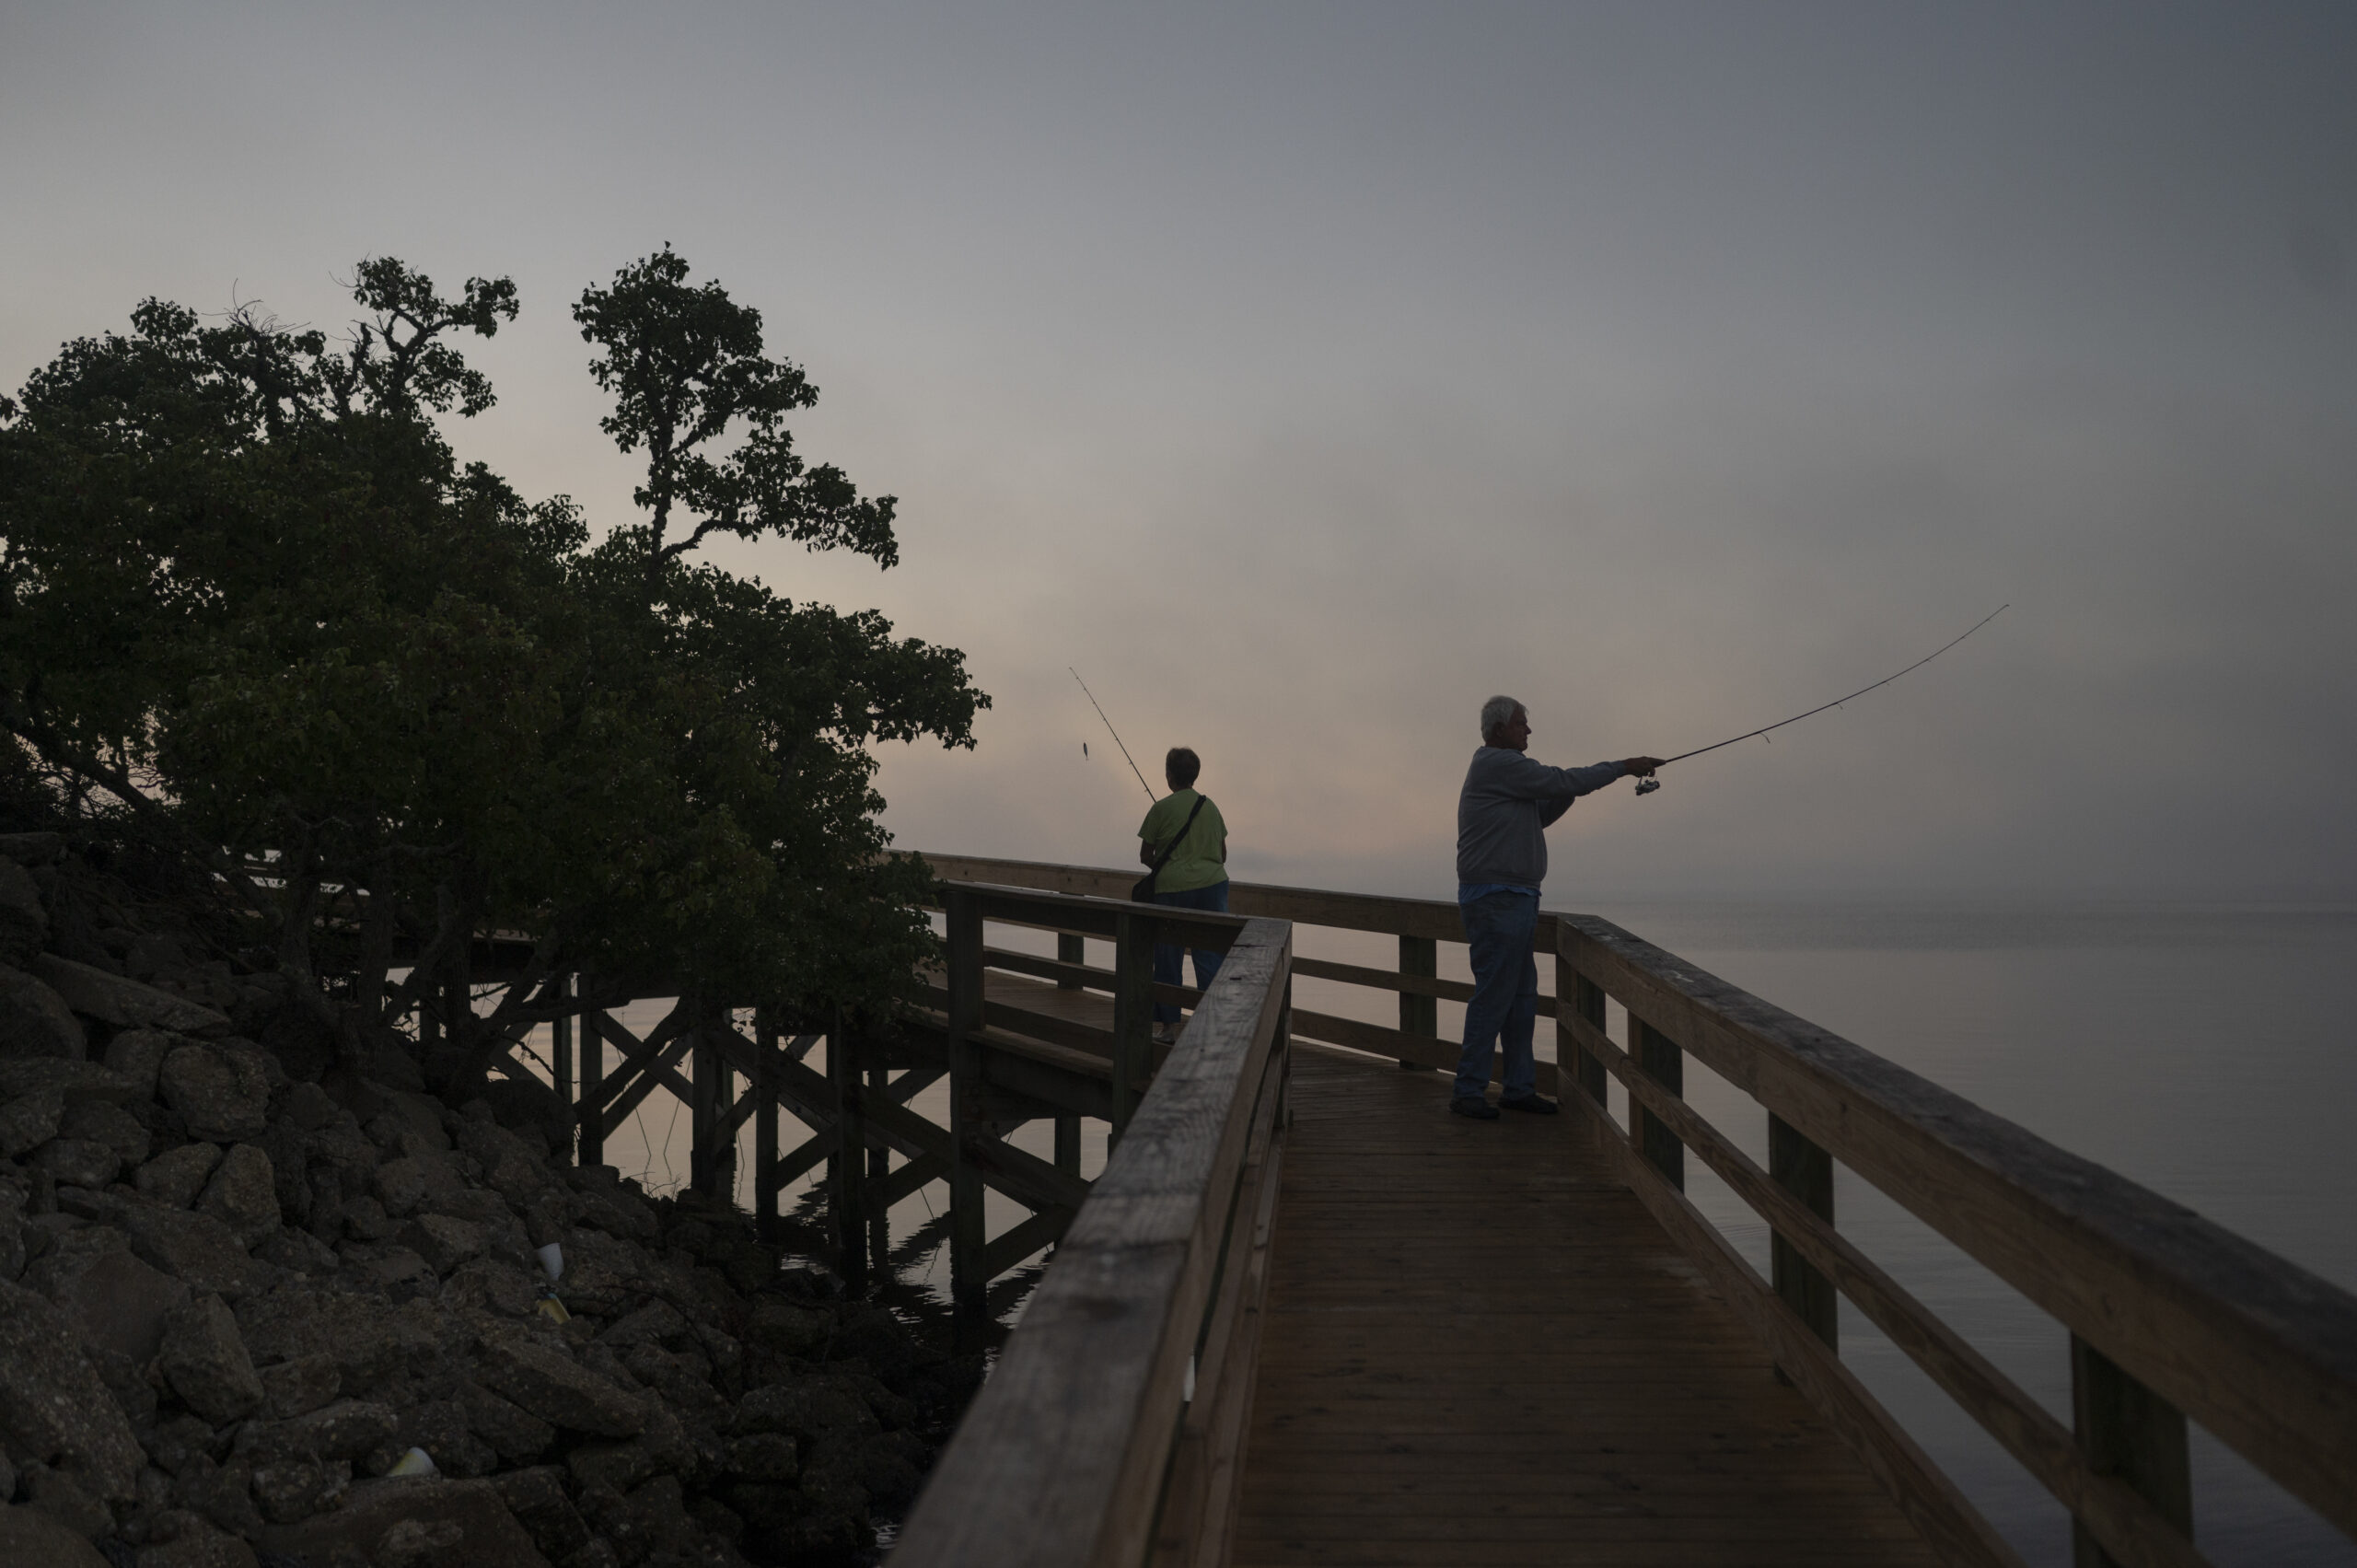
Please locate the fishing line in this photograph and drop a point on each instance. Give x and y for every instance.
(1111, 731)
(1646, 786)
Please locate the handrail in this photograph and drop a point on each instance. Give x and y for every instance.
(2168, 1312)
(1110, 1431)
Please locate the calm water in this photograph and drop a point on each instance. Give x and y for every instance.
(2204, 1051)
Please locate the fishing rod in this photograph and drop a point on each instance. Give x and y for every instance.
(1111, 731)
(1646, 786)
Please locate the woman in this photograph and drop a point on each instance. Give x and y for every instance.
(1185, 835)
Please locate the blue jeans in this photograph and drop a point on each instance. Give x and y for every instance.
(1504, 1007)
(1166, 958)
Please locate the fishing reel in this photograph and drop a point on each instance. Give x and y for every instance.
(1646, 786)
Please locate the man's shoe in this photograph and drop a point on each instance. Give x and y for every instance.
(1479, 1110)
(1533, 1104)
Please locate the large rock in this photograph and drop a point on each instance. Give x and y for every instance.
(28, 1121)
(24, 921)
(243, 1194)
(126, 1004)
(195, 1248)
(446, 1523)
(32, 848)
(401, 1185)
(35, 1020)
(443, 1242)
(537, 1499)
(77, 1162)
(138, 1055)
(222, 1095)
(175, 1177)
(204, 1358)
(76, 1080)
(546, 1383)
(30, 1537)
(198, 1544)
(301, 1386)
(103, 1121)
(347, 1429)
(118, 1302)
(54, 1408)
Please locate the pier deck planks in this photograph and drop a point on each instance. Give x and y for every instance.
(1478, 1348)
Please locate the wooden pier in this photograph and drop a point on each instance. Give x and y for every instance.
(1304, 1317)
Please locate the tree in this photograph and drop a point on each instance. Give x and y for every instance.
(250, 597)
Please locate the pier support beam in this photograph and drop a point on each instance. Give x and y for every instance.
(1133, 1014)
(848, 1198)
(968, 1123)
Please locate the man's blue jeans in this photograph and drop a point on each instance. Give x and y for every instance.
(1166, 958)
(1504, 1007)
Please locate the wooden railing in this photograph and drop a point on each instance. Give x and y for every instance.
(2169, 1316)
(1112, 1428)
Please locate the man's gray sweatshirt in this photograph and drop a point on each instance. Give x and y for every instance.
(1508, 802)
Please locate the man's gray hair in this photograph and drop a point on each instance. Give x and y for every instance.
(1498, 711)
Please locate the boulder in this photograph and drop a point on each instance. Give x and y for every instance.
(120, 1304)
(35, 1020)
(77, 1162)
(222, 1095)
(514, 1434)
(243, 1194)
(402, 1184)
(76, 1080)
(443, 1242)
(33, 849)
(103, 1121)
(24, 921)
(198, 1544)
(537, 1498)
(30, 1121)
(195, 1248)
(53, 1407)
(296, 1388)
(425, 1522)
(30, 1536)
(175, 1177)
(138, 1055)
(204, 1358)
(293, 1489)
(126, 1004)
(547, 1384)
(347, 1429)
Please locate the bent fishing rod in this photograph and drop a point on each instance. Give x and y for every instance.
(1646, 786)
(1111, 731)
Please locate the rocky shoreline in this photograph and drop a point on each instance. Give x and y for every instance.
(259, 1309)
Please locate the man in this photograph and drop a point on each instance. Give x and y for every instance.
(1185, 835)
(1507, 804)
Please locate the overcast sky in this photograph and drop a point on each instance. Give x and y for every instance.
(1303, 374)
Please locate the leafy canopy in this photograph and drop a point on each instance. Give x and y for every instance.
(252, 601)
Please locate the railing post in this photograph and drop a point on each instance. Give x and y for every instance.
(1805, 1170)
(1666, 1064)
(589, 1115)
(763, 1089)
(1419, 957)
(561, 1053)
(1133, 1014)
(879, 1166)
(703, 1085)
(967, 1120)
(1068, 1144)
(850, 1195)
(2128, 1430)
(1070, 949)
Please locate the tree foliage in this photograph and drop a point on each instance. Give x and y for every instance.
(250, 596)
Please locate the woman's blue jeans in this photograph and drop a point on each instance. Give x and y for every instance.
(1504, 1009)
(1166, 956)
